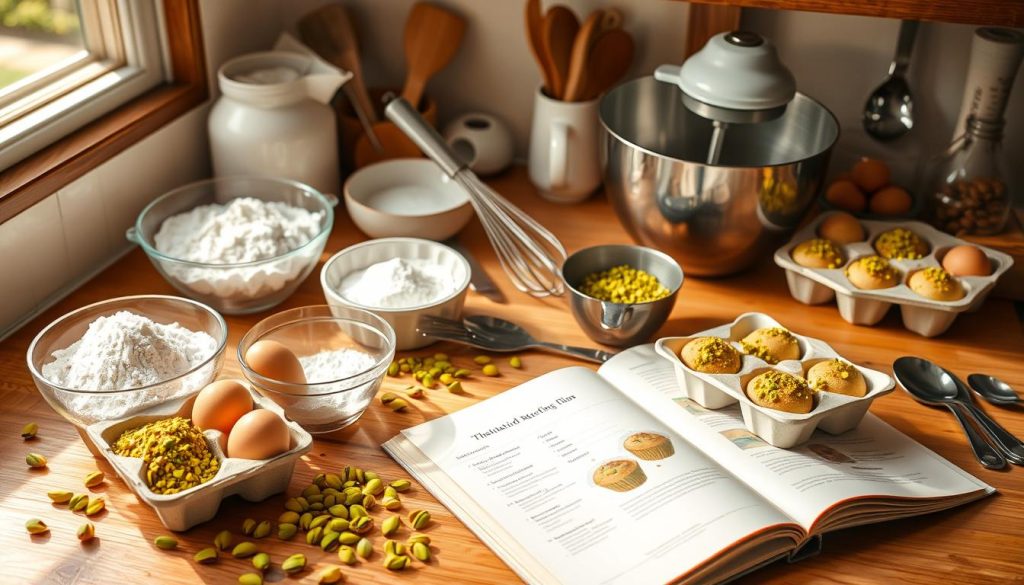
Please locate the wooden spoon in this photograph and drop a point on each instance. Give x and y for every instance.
(329, 32)
(557, 34)
(578, 65)
(432, 36)
(534, 28)
(608, 63)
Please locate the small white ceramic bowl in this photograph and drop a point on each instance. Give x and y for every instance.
(403, 321)
(409, 197)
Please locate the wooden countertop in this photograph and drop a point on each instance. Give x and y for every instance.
(978, 543)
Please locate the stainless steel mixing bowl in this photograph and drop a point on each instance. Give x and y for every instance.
(713, 219)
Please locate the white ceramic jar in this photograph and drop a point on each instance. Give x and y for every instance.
(273, 119)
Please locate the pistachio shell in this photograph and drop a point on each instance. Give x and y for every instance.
(348, 537)
(36, 526)
(391, 504)
(314, 535)
(206, 556)
(332, 480)
(261, 561)
(330, 575)
(250, 579)
(419, 519)
(29, 431)
(59, 496)
(347, 555)
(248, 526)
(393, 547)
(361, 525)
(294, 563)
(94, 479)
(95, 507)
(78, 502)
(396, 562)
(364, 548)
(338, 511)
(311, 490)
(305, 520)
(288, 517)
(223, 540)
(35, 460)
(369, 501)
(356, 510)
(86, 532)
(262, 529)
(390, 525)
(244, 550)
(417, 537)
(329, 542)
(338, 525)
(286, 531)
(420, 551)
(165, 542)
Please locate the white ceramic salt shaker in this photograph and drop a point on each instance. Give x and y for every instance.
(482, 141)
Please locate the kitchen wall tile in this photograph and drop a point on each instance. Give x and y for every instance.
(88, 237)
(33, 262)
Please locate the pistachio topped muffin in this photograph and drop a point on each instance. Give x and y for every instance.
(711, 355)
(936, 284)
(620, 475)
(649, 446)
(817, 253)
(838, 377)
(781, 391)
(872, 273)
(900, 244)
(772, 344)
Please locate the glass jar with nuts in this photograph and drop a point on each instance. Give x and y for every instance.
(969, 194)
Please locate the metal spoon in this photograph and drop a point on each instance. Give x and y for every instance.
(945, 387)
(993, 389)
(889, 111)
(919, 381)
(496, 334)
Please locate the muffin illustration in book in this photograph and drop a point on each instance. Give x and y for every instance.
(620, 475)
(649, 446)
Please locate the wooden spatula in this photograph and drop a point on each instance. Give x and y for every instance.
(578, 65)
(608, 63)
(329, 32)
(557, 34)
(534, 28)
(432, 36)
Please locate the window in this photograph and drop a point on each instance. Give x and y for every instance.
(75, 61)
(112, 72)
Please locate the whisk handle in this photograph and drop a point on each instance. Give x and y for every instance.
(423, 135)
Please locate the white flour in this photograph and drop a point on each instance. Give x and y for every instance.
(334, 365)
(398, 283)
(244, 230)
(126, 350)
(339, 401)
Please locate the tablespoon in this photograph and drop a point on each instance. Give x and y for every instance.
(993, 389)
(494, 334)
(945, 387)
(918, 381)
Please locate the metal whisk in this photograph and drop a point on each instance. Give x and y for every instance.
(530, 254)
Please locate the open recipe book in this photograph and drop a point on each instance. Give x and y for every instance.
(615, 477)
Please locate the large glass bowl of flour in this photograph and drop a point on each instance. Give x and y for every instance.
(114, 358)
(239, 244)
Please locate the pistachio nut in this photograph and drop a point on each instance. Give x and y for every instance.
(29, 431)
(347, 555)
(353, 498)
(490, 370)
(244, 550)
(446, 379)
(393, 369)
(311, 490)
(364, 548)
(391, 503)
(330, 541)
(393, 547)
(294, 563)
(417, 537)
(36, 526)
(319, 521)
(248, 525)
(373, 487)
(338, 511)
(388, 397)
(338, 525)
(250, 579)
(288, 517)
(95, 507)
(286, 531)
(316, 507)
(315, 499)
(78, 502)
(330, 575)
(223, 540)
(419, 519)
(314, 535)
(369, 501)
(320, 479)
(361, 525)
(427, 380)
(390, 525)
(395, 562)
(35, 460)
(94, 479)
(330, 500)
(401, 485)
(333, 481)
(356, 510)
(305, 520)
(86, 532)
(455, 387)
(461, 373)
(206, 556)
(515, 361)
(59, 496)
(482, 360)
(348, 537)
(262, 529)
(420, 551)
(165, 542)
(261, 561)
(398, 404)
(415, 392)
(293, 505)
(390, 492)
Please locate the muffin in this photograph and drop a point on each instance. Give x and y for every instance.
(899, 244)
(872, 273)
(817, 253)
(620, 475)
(772, 344)
(781, 391)
(838, 377)
(649, 446)
(711, 355)
(936, 284)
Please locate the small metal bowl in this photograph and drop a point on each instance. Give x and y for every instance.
(620, 324)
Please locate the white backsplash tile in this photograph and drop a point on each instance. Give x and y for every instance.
(33, 262)
(88, 236)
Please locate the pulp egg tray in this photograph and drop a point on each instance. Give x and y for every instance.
(924, 316)
(251, 479)
(832, 413)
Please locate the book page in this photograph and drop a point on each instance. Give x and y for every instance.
(547, 462)
(873, 460)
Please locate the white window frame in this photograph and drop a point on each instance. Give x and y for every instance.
(121, 63)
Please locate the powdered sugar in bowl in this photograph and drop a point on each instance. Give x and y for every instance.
(400, 280)
(344, 354)
(239, 244)
(110, 359)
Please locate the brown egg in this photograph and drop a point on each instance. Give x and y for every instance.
(891, 200)
(846, 195)
(966, 261)
(841, 228)
(870, 174)
(271, 359)
(260, 434)
(220, 404)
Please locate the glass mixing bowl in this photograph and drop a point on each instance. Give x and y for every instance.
(85, 406)
(326, 405)
(240, 288)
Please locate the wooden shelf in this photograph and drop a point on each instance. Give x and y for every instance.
(983, 12)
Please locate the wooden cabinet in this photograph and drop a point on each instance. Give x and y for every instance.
(982, 12)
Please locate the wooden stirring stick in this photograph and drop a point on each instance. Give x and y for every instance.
(578, 66)
(557, 37)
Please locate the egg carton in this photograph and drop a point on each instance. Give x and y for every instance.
(251, 479)
(927, 317)
(832, 413)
